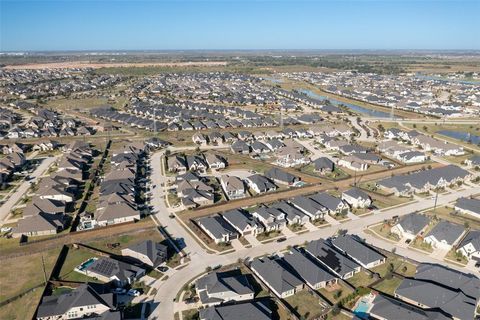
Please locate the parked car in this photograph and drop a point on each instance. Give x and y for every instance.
(162, 269)
(119, 291)
(133, 293)
(281, 239)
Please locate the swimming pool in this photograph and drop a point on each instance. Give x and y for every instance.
(86, 264)
(362, 308)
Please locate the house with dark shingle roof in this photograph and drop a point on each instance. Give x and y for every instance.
(276, 276)
(260, 184)
(220, 287)
(333, 260)
(444, 235)
(470, 245)
(410, 225)
(391, 309)
(251, 310)
(82, 302)
(217, 228)
(357, 198)
(149, 252)
(358, 251)
(243, 222)
(309, 270)
(468, 206)
(281, 176)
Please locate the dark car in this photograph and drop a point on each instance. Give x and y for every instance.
(281, 239)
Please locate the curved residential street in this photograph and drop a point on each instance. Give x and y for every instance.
(200, 259)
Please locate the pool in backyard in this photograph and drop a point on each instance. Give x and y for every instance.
(85, 264)
(362, 309)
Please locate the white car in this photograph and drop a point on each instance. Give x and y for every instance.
(133, 293)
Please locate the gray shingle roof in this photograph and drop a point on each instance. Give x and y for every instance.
(392, 309)
(276, 275)
(469, 204)
(455, 303)
(255, 310)
(306, 268)
(448, 231)
(359, 251)
(414, 222)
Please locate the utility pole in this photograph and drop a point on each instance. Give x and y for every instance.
(44, 272)
(435, 205)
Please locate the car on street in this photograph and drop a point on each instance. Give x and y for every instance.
(281, 239)
(162, 269)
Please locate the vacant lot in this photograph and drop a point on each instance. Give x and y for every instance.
(23, 308)
(24, 272)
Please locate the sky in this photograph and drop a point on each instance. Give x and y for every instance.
(228, 24)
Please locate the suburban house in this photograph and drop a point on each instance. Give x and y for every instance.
(276, 276)
(323, 165)
(233, 187)
(217, 228)
(290, 157)
(215, 161)
(40, 224)
(410, 225)
(426, 295)
(251, 310)
(423, 181)
(412, 157)
(468, 206)
(358, 251)
(82, 302)
(444, 235)
(357, 198)
(219, 287)
(118, 212)
(310, 207)
(292, 214)
(148, 252)
(309, 270)
(260, 184)
(177, 163)
(281, 177)
(333, 204)
(337, 263)
(240, 146)
(386, 308)
(243, 222)
(353, 163)
(271, 218)
(470, 245)
(111, 270)
(473, 162)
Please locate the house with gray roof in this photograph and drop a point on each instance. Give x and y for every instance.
(425, 180)
(358, 251)
(149, 252)
(240, 146)
(309, 270)
(429, 295)
(255, 310)
(310, 207)
(220, 287)
(410, 225)
(233, 187)
(282, 177)
(111, 270)
(357, 198)
(386, 308)
(82, 302)
(444, 235)
(243, 222)
(467, 283)
(468, 206)
(217, 228)
(337, 263)
(276, 276)
(292, 214)
(333, 204)
(39, 224)
(260, 184)
(272, 218)
(470, 245)
(473, 161)
(323, 165)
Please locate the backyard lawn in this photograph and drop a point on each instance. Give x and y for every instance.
(127, 240)
(361, 279)
(306, 304)
(336, 293)
(388, 286)
(74, 258)
(399, 265)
